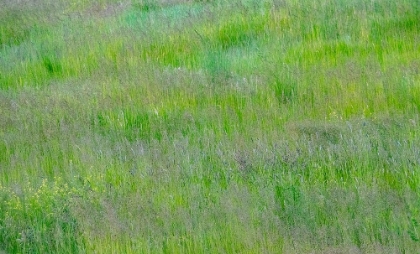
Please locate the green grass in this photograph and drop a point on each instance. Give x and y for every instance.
(209, 127)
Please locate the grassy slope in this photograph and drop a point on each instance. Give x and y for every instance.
(210, 126)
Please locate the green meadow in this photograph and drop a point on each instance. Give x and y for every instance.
(194, 126)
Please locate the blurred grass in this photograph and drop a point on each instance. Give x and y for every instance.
(209, 126)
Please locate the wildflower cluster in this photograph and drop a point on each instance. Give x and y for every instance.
(33, 219)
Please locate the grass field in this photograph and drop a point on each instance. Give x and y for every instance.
(176, 126)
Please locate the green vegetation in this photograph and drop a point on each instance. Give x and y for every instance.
(249, 126)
